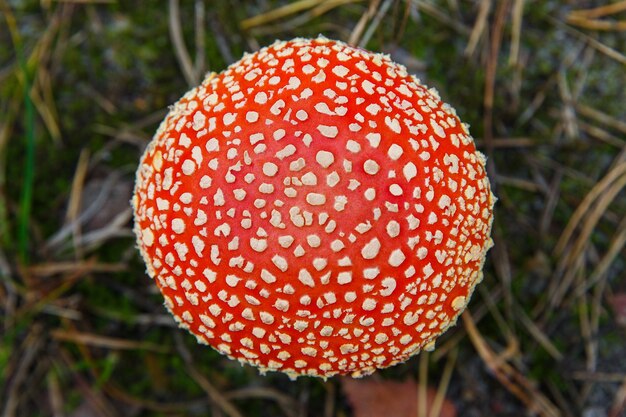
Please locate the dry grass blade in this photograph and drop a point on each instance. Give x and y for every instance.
(73, 209)
(598, 376)
(182, 54)
(45, 104)
(601, 134)
(42, 80)
(213, 393)
(82, 267)
(571, 260)
(601, 117)
(382, 11)
(435, 12)
(75, 200)
(175, 408)
(221, 38)
(9, 113)
(594, 43)
(279, 13)
(600, 11)
(199, 25)
(17, 373)
(41, 90)
(288, 405)
(597, 24)
(510, 377)
(490, 80)
(539, 335)
(93, 398)
(616, 246)
(422, 387)
(568, 115)
(86, 1)
(444, 383)
(357, 32)
(132, 134)
(587, 18)
(585, 206)
(495, 295)
(516, 31)
(328, 5)
(502, 265)
(55, 394)
(117, 228)
(301, 19)
(589, 342)
(100, 341)
(480, 25)
(35, 300)
(553, 193)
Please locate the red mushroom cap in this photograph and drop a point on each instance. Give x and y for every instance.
(314, 209)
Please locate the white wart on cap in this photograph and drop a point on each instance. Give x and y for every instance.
(315, 210)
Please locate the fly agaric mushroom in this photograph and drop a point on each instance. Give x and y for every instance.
(315, 210)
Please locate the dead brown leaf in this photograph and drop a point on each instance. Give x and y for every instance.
(383, 398)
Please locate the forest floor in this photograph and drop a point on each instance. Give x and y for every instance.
(83, 87)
